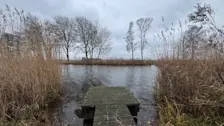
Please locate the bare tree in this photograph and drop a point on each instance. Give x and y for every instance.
(84, 29)
(64, 28)
(131, 45)
(204, 15)
(144, 25)
(194, 39)
(93, 38)
(50, 39)
(104, 42)
(94, 41)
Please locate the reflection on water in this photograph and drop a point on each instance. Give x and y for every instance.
(77, 80)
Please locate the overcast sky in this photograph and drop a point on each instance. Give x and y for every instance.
(116, 15)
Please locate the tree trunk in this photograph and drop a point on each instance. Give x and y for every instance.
(132, 54)
(141, 47)
(86, 51)
(98, 56)
(91, 55)
(67, 54)
(142, 54)
(86, 55)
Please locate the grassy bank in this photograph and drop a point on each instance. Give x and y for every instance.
(109, 62)
(191, 93)
(28, 86)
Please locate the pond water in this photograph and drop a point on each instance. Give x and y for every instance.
(77, 79)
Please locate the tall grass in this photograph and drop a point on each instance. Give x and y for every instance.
(191, 92)
(28, 85)
(29, 78)
(190, 87)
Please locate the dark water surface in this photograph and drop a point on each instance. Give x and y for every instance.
(77, 80)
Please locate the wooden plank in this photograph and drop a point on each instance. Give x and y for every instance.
(109, 106)
(112, 115)
(109, 95)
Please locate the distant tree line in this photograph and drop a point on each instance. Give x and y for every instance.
(23, 33)
(202, 38)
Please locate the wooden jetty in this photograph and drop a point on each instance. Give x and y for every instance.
(110, 106)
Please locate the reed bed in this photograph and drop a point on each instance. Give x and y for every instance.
(28, 87)
(191, 92)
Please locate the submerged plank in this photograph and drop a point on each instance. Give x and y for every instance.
(113, 115)
(110, 106)
(109, 95)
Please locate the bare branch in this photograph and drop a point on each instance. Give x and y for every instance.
(64, 28)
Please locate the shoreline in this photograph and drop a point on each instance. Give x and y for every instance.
(108, 62)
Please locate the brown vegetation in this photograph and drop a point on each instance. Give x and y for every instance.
(29, 78)
(191, 89)
(110, 62)
(27, 87)
(191, 82)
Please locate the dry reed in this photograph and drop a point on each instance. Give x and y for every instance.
(191, 92)
(28, 85)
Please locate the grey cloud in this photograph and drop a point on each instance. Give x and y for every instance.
(116, 14)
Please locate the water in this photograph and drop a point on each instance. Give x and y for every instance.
(77, 79)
